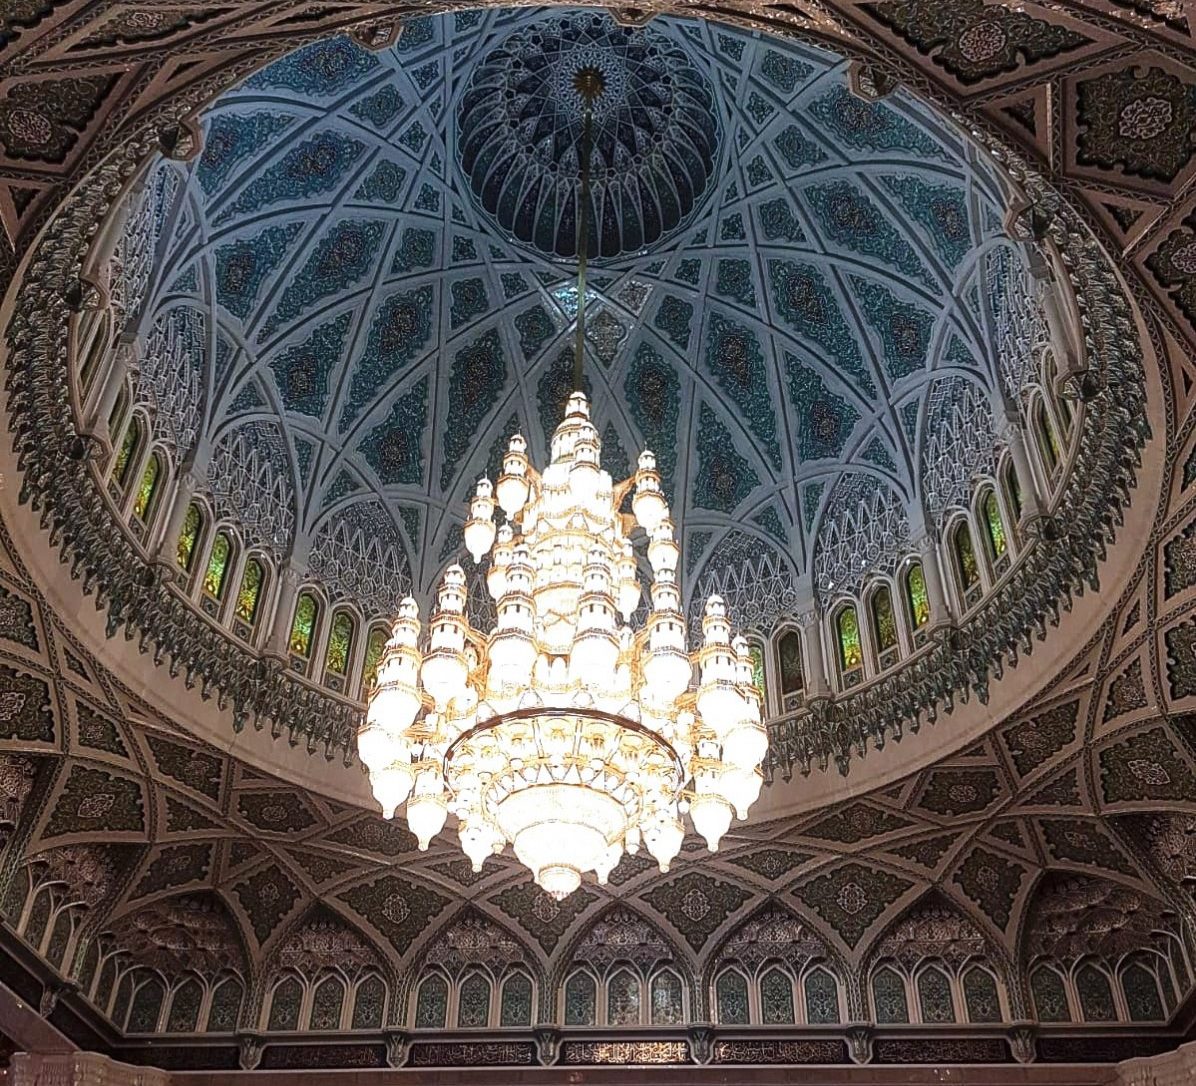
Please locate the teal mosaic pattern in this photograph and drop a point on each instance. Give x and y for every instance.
(778, 334)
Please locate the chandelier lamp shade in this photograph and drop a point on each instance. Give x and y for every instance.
(564, 731)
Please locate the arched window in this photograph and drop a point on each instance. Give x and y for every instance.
(1096, 994)
(369, 1003)
(994, 528)
(759, 678)
(980, 995)
(934, 996)
(340, 647)
(326, 1004)
(889, 1004)
(789, 669)
(1141, 989)
(917, 597)
(731, 998)
(776, 998)
(884, 627)
(822, 998)
(375, 645)
(1050, 996)
(966, 566)
(1044, 434)
(284, 1005)
(431, 1004)
(118, 411)
(851, 649)
(668, 1005)
(581, 1000)
(473, 1002)
(127, 455)
(303, 628)
(1013, 490)
(147, 1006)
(219, 559)
(249, 595)
(623, 999)
(516, 1001)
(189, 537)
(147, 489)
(225, 1008)
(184, 1007)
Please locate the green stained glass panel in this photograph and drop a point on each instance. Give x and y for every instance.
(374, 648)
(147, 489)
(884, 620)
(789, 659)
(304, 626)
(757, 654)
(919, 598)
(340, 644)
(217, 572)
(969, 571)
(851, 652)
(251, 591)
(189, 537)
(124, 458)
(994, 525)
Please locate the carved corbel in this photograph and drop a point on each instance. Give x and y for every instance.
(1022, 1042)
(250, 1049)
(859, 1042)
(701, 1042)
(398, 1046)
(548, 1045)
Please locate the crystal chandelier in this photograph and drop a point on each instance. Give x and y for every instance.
(563, 731)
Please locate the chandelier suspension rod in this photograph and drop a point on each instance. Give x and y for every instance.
(589, 86)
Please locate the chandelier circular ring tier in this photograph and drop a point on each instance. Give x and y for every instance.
(562, 731)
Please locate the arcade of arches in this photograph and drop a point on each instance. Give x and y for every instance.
(902, 293)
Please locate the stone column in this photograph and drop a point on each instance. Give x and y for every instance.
(942, 614)
(188, 482)
(1014, 437)
(290, 577)
(809, 621)
(1055, 308)
(110, 382)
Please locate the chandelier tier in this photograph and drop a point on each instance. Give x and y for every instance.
(564, 732)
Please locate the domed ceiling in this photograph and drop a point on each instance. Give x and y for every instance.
(803, 302)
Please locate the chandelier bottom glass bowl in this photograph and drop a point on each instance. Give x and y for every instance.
(563, 731)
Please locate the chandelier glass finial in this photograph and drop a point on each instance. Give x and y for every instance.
(563, 732)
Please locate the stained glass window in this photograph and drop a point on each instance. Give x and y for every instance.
(994, 526)
(39, 917)
(516, 1009)
(59, 937)
(148, 487)
(667, 1005)
(303, 629)
(369, 1004)
(431, 1007)
(250, 593)
(1048, 444)
(851, 652)
(965, 556)
(776, 998)
(934, 996)
(340, 643)
(758, 677)
(127, 453)
(917, 596)
(326, 1004)
(822, 998)
(789, 662)
(184, 1008)
(980, 996)
(581, 1000)
(888, 997)
(118, 411)
(284, 1007)
(124, 993)
(189, 537)
(884, 621)
(374, 647)
(623, 999)
(731, 995)
(1141, 993)
(147, 1005)
(473, 1002)
(1096, 995)
(218, 563)
(226, 1006)
(1012, 490)
(1050, 997)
